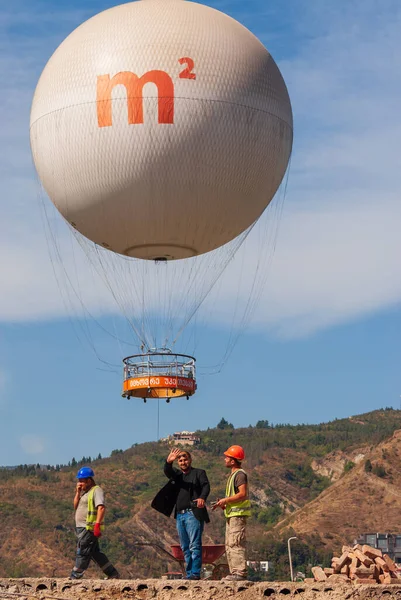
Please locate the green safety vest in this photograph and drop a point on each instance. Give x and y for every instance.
(92, 511)
(240, 508)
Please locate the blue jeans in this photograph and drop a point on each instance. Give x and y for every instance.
(190, 533)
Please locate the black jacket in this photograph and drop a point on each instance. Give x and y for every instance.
(166, 498)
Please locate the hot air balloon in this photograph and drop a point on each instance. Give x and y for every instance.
(161, 130)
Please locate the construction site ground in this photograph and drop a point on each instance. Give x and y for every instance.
(160, 589)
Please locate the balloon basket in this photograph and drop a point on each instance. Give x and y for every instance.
(159, 374)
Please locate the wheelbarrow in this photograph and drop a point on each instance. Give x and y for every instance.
(210, 554)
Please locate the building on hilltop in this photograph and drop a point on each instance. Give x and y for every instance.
(183, 438)
(388, 543)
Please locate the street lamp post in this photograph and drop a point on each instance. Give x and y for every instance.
(289, 556)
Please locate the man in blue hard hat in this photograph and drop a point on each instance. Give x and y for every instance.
(89, 509)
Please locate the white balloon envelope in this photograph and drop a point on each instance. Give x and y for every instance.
(161, 129)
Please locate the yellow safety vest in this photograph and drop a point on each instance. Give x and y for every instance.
(92, 511)
(240, 508)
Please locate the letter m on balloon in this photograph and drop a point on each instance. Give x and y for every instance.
(134, 96)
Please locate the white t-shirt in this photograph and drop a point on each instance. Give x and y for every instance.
(82, 509)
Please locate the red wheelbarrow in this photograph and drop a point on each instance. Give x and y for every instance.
(210, 554)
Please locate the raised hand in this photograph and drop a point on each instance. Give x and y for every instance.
(174, 453)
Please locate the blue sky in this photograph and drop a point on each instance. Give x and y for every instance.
(324, 340)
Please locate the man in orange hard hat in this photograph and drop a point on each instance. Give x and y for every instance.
(237, 508)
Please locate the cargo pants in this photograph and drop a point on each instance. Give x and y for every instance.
(87, 550)
(236, 545)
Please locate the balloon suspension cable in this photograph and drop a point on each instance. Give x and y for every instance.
(158, 420)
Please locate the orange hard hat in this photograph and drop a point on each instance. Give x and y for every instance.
(236, 452)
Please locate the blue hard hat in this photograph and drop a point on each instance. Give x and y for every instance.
(85, 472)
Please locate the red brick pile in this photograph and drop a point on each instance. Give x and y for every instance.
(360, 564)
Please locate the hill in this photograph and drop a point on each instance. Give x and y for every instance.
(366, 499)
(302, 478)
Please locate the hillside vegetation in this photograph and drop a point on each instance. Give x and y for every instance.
(301, 478)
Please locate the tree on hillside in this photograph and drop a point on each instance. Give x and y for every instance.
(379, 470)
(223, 424)
(348, 466)
(262, 424)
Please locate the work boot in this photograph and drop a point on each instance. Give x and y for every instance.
(76, 574)
(234, 577)
(114, 575)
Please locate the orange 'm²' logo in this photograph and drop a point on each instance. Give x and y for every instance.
(134, 91)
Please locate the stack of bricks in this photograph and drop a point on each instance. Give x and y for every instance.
(360, 564)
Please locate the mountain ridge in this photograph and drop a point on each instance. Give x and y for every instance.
(298, 474)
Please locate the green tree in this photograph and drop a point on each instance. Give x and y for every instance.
(223, 424)
(348, 466)
(379, 471)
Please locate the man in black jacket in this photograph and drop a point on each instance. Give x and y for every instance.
(187, 490)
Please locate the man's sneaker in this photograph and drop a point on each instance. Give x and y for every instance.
(234, 577)
(76, 574)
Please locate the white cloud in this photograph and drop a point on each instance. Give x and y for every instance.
(32, 444)
(334, 265)
(337, 257)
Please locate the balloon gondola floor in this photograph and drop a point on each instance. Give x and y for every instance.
(159, 373)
